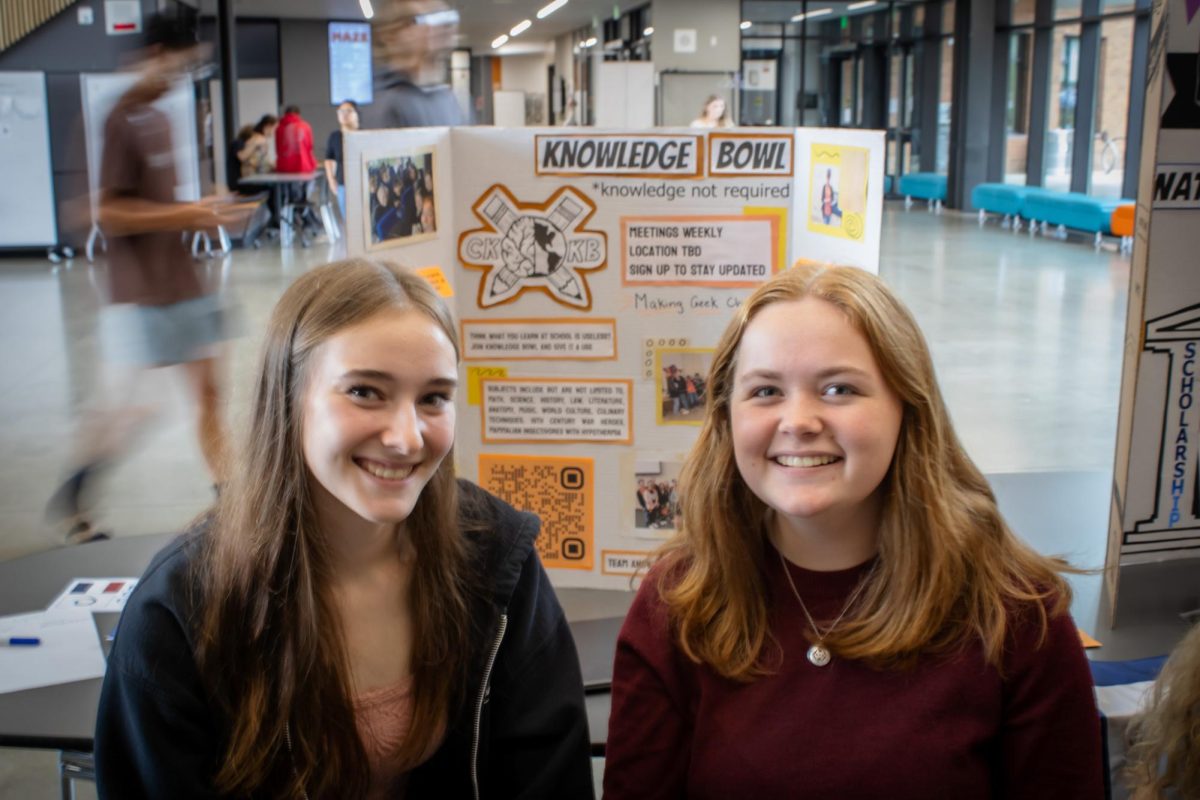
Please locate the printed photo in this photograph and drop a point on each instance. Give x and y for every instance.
(838, 190)
(825, 199)
(401, 207)
(681, 375)
(656, 497)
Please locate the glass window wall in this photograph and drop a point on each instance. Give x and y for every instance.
(1017, 105)
(1067, 9)
(945, 102)
(1062, 99)
(1112, 106)
(1022, 12)
(832, 71)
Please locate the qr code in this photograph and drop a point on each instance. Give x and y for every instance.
(560, 491)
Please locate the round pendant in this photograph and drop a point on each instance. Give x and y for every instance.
(818, 656)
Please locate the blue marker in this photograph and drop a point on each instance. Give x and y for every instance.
(20, 641)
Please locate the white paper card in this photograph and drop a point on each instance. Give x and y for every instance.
(69, 651)
(95, 594)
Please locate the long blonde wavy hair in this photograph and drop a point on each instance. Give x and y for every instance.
(949, 566)
(1164, 751)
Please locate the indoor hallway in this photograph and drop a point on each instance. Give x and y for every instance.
(1026, 336)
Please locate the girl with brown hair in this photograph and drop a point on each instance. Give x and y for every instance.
(844, 612)
(349, 621)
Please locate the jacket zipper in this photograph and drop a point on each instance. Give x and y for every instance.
(483, 693)
(287, 738)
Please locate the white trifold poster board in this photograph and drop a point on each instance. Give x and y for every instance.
(27, 217)
(592, 274)
(1155, 512)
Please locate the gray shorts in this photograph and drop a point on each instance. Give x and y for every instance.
(157, 336)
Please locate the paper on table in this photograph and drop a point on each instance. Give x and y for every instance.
(70, 650)
(95, 594)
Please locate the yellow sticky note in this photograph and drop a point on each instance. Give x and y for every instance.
(474, 375)
(438, 278)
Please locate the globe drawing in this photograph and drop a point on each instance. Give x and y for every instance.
(534, 247)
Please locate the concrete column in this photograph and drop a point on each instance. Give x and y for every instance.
(227, 38)
(971, 114)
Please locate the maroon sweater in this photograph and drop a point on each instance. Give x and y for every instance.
(950, 728)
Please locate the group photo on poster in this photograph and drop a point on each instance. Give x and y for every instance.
(656, 497)
(401, 207)
(681, 376)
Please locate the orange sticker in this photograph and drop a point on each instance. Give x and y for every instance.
(437, 278)
(560, 490)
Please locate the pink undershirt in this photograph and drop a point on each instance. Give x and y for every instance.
(384, 717)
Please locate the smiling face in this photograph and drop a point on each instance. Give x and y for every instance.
(814, 424)
(378, 418)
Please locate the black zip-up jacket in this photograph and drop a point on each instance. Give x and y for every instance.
(158, 737)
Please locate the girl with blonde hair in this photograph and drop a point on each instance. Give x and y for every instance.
(350, 620)
(844, 612)
(1163, 761)
(713, 114)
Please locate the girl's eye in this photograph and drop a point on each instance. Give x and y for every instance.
(363, 393)
(765, 391)
(838, 390)
(438, 399)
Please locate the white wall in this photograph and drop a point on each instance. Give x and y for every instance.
(718, 38)
(527, 73)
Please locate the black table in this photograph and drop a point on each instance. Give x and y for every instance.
(62, 717)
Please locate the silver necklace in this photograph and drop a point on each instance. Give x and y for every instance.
(818, 654)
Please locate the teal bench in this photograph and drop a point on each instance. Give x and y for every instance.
(1005, 199)
(1070, 210)
(927, 186)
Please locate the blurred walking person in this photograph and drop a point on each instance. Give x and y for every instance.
(411, 42)
(160, 313)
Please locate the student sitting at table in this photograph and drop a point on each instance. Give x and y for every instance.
(349, 621)
(844, 613)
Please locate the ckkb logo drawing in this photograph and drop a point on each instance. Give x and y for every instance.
(534, 246)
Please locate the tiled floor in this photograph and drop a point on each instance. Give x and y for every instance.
(1026, 335)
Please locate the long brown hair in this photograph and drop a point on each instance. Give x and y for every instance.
(949, 567)
(270, 646)
(1164, 752)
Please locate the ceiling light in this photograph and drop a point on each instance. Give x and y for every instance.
(365, 5)
(499, 41)
(864, 4)
(520, 27)
(745, 24)
(589, 42)
(648, 31)
(549, 9)
(820, 12)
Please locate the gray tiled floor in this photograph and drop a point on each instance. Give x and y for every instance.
(1026, 336)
